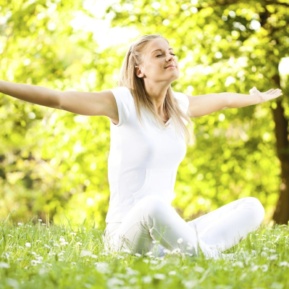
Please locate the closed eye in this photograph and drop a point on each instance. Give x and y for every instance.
(160, 55)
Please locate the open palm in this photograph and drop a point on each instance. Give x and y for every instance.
(267, 95)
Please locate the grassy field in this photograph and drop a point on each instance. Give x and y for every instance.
(43, 257)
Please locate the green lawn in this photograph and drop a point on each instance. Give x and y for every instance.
(43, 257)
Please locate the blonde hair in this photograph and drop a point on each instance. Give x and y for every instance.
(129, 79)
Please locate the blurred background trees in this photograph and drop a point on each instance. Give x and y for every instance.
(53, 163)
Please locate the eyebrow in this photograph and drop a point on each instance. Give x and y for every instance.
(159, 49)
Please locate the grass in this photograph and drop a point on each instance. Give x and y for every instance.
(41, 256)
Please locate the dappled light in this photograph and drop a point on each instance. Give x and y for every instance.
(53, 164)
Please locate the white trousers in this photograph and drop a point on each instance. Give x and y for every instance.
(152, 221)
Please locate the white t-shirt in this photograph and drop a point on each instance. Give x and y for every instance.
(144, 157)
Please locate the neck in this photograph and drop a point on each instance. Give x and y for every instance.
(157, 95)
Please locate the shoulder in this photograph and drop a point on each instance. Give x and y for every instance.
(121, 91)
(122, 94)
(124, 101)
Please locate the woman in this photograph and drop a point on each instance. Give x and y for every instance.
(148, 142)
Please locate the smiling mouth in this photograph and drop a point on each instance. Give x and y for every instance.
(170, 66)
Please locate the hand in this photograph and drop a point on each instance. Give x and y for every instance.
(266, 96)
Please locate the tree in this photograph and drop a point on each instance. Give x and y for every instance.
(53, 163)
(214, 37)
(49, 159)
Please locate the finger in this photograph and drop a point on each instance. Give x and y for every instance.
(275, 93)
(270, 90)
(277, 90)
(253, 90)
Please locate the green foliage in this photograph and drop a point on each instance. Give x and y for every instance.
(43, 256)
(222, 46)
(53, 164)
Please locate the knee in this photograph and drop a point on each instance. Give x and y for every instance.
(154, 207)
(255, 209)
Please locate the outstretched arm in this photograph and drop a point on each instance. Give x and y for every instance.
(208, 103)
(85, 103)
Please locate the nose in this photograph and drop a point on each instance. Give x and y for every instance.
(169, 57)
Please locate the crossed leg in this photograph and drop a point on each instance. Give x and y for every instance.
(151, 220)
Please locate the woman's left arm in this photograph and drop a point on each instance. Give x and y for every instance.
(208, 103)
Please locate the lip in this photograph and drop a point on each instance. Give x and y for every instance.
(170, 66)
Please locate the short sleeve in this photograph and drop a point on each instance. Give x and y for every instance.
(124, 102)
(183, 101)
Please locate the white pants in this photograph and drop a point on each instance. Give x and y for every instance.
(153, 221)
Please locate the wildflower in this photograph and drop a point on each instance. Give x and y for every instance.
(62, 241)
(273, 257)
(85, 253)
(176, 251)
(264, 268)
(199, 269)
(12, 283)
(166, 251)
(238, 264)
(133, 280)
(6, 255)
(34, 262)
(284, 264)
(42, 271)
(180, 241)
(131, 271)
(147, 279)
(190, 283)
(149, 254)
(4, 265)
(102, 267)
(28, 245)
(159, 276)
(115, 282)
(154, 262)
(254, 268)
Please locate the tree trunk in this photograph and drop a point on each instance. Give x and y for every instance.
(281, 214)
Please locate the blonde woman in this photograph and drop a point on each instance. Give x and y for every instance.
(148, 142)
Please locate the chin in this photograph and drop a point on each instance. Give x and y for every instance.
(175, 77)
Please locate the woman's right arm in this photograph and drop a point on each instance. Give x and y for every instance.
(85, 103)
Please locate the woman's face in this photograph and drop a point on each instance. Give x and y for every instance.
(159, 63)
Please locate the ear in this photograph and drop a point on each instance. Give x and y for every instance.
(138, 72)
